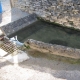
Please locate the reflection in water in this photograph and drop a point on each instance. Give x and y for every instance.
(59, 42)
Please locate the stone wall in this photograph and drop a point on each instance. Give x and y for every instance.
(65, 12)
(53, 49)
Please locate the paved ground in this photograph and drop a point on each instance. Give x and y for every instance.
(10, 15)
(39, 68)
(36, 68)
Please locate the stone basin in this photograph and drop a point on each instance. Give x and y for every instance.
(50, 38)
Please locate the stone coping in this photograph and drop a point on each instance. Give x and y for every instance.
(53, 49)
(19, 24)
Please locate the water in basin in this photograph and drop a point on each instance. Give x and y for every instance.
(50, 33)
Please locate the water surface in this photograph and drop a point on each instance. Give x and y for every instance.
(49, 33)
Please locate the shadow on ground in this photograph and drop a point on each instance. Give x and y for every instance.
(4, 63)
(57, 68)
(43, 66)
(50, 61)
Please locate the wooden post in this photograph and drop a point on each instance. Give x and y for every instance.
(12, 3)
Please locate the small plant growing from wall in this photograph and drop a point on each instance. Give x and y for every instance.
(27, 47)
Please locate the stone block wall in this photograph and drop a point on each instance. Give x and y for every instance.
(53, 49)
(64, 12)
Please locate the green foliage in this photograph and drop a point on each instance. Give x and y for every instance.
(27, 47)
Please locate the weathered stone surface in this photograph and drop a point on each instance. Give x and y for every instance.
(59, 9)
(54, 49)
(18, 24)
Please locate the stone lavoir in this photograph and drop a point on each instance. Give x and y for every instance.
(52, 39)
(64, 12)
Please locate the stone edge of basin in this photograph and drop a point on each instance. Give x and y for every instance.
(19, 24)
(53, 49)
